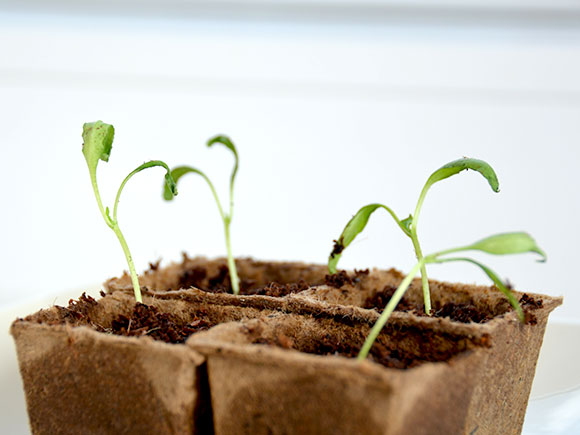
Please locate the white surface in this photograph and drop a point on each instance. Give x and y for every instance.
(553, 408)
(327, 117)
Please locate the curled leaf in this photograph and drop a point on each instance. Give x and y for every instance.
(457, 166)
(226, 141)
(97, 142)
(175, 174)
(354, 226)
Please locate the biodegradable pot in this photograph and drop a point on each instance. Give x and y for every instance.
(78, 380)
(466, 377)
(203, 273)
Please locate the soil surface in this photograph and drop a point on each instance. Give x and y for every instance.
(143, 320)
(220, 283)
(341, 278)
(417, 346)
(379, 354)
(147, 320)
(464, 313)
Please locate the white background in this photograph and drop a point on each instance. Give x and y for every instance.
(330, 108)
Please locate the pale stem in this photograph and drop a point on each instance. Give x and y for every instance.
(231, 262)
(98, 197)
(133, 273)
(424, 278)
(379, 325)
(418, 252)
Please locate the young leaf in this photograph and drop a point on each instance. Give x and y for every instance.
(97, 142)
(180, 171)
(501, 244)
(457, 166)
(226, 141)
(496, 280)
(170, 184)
(176, 174)
(354, 226)
(508, 243)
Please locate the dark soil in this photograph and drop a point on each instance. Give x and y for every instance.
(380, 300)
(337, 248)
(220, 283)
(342, 278)
(464, 313)
(380, 354)
(431, 347)
(147, 320)
(530, 304)
(144, 320)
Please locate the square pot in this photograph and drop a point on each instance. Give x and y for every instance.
(212, 274)
(80, 380)
(476, 379)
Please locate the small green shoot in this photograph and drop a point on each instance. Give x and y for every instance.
(97, 145)
(500, 244)
(409, 225)
(180, 171)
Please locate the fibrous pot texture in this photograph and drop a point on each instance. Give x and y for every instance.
(266, 378)
(213, 275)
(79, 377)
(282, 364)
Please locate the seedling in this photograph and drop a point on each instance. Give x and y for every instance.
(97, 145)
(501, 244)
(180, 171)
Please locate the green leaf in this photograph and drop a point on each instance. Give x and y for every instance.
(97, 142)
(175, 175)
(452, 168)
(508, 243)
(406, 224)
(457, 166)
(226, 141)
(169, 182)
(354, 226)
(496, 280)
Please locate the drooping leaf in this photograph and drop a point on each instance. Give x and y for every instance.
(176, 174)
(354, 226)
(97, 142)
(457, 166)
(508, 243)
(169, 182)
(226, 141)
(496, 280)
(450, 169)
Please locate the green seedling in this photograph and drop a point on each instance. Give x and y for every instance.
(409, 225)
(180, 171)
(97, 145)
(499, 244)
(502, 244)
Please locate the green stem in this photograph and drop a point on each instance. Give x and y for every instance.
(397, 296)
(424, 278)
(98, 197)
(133, 273)
(231, 262)
(418, 252)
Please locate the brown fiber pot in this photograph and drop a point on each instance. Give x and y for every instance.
(78, 380)
(478, 379)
